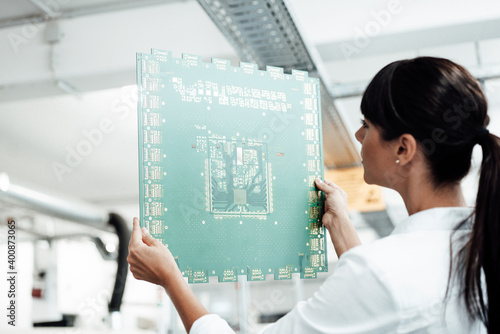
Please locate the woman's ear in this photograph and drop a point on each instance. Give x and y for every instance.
(406, 148)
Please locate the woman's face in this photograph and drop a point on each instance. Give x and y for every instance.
(376, 154)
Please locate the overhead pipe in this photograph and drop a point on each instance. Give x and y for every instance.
(64, 208)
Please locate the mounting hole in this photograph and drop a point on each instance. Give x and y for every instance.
(203, 222)
(166, 227)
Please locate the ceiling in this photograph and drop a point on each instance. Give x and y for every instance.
(18, 12)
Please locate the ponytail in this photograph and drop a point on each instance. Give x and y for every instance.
(481, 253)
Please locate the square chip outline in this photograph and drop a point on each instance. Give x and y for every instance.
(233, 152)
(153, 171)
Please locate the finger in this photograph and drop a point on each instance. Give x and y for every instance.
(331, 184)
(327, 189)
(147, 238)
(334, 186)
(136, 235)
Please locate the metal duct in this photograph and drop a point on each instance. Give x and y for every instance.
(264, 32)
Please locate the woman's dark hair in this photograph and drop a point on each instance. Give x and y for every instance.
(442, 105)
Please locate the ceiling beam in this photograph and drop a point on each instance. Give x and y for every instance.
(92, 56)
(63, 11)
(44, 8)
(359, 46)
(352, 89)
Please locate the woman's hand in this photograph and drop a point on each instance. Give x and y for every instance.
(336, 217)
(149, 259)
(335, 203)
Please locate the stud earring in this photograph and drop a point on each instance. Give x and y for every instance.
(397, 162)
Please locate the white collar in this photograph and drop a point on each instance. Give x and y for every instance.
(437, 219)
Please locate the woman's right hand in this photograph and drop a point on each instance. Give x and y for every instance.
(336, 217)
(335, 203)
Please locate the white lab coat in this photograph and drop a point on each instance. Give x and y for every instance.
(394, 285)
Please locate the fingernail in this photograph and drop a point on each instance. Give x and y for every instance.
(319, 180)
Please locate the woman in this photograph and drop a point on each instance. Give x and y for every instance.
(439, 271)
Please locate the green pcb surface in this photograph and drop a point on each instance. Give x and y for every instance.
(227, 158)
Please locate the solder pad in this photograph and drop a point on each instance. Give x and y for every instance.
(227, 159)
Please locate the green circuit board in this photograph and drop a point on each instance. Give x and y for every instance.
(227, 160)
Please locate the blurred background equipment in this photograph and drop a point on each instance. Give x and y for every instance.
(30, 202)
